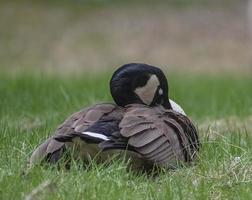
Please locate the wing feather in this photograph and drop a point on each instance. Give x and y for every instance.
(153, 146)
(158, 150)
(132, 130)
(159, 135)
(145, 137)
(79, 121)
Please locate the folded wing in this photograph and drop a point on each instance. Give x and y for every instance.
(52, 149)
(160, 136)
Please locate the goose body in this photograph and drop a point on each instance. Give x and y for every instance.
(147, 133)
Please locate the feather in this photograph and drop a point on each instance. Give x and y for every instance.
(153, 146)
(156, 135)
(133, 130)
(144, 137)
(53, 147)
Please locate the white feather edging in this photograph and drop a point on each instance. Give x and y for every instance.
(177, 107)
(96, 135)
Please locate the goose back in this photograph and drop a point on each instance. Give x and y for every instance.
(52, 149)
(163, 137)
(148, 135)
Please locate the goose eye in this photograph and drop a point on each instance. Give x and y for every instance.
(160, 91)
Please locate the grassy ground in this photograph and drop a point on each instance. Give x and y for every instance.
(32, 106)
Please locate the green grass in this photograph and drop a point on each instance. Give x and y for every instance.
(32, 106)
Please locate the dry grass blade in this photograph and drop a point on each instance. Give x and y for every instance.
(45, 187)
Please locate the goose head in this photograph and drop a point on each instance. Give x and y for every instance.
(139, 83)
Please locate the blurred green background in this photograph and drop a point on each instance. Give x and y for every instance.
(206, 36)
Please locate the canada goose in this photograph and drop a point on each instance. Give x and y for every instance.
(151, 128)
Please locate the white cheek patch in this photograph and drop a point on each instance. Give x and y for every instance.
(147, 92)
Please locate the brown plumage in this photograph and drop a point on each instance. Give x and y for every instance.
(152, 136)
(51, 150)
(143, 126)
(160, 136)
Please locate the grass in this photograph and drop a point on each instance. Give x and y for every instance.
(32, 106)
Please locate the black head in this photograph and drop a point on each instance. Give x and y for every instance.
(139, 83)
